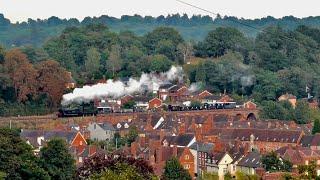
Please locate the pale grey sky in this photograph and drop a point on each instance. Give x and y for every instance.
(20, 10)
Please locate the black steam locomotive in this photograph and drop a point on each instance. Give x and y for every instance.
(76, 110)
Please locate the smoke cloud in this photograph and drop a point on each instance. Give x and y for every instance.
(116, 89)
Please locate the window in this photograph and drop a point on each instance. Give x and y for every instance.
(186, 157)
(80, 159)
(187, 166)
(80, 143)
(94, 126)
(225, 170)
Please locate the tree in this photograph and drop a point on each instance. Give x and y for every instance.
(114, 165)
(92, 63)
(273, 163)
(132, 135)
(160, 63)
(220, 40)
(174, 170)
(302, 112)
(52, 80)
(57, 161)
(120, 172)
(2, 54)
(308, 171)
(186, 50)
(163, 36)
(129, 105)
(114, 63)
(22, 74)
(316, 126)
(17, 160)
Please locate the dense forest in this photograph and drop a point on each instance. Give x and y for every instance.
(36, 31)
(277, 61)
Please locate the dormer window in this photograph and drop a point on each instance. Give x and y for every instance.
(119, 125)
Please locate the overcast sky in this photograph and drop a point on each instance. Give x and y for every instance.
(20, 10)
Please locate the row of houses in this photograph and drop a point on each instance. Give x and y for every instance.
(165, 95)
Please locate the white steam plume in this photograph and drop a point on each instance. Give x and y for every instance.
(116, 89)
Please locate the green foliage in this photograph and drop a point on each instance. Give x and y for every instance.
(174, 170)
(195, 104)
(220, 40)
(308, 171)
(228, 176)
(163, 40)
(121, 172)
(273, 163)
(132, 135)
(57, 161)
(129, 105)
(302, 112)
(316, 126)
(17, 160)
(92, 63)
(209, 176)
(160, 63)
(241, 176)
(282, 110)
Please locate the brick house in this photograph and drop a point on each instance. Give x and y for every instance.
(300, 156)
(163, 91)
(155, 103)
(125, 99)
(178, 92)
(250, 105)
(311, 141)
(263, 140)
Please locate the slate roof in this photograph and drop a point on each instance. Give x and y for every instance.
(268, 135)
(166, 86)
(252, 160)
(215, 157)
(180, 140)
(32, 135)
(107, 126)
(202, 147)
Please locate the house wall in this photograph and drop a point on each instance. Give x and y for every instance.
(187, 161)
(99, 134)
(155, 103)
(246, 170)
(224, 165)
(78, 140)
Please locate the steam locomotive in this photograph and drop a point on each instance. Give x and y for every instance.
(75, 110)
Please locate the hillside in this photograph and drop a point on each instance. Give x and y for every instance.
(36, 32)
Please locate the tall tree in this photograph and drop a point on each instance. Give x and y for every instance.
(52, 79)
(22, 74)
(57, 161)
(186, 50)
(174, 170)
(316, 126)
(92, 63)
(115, 62)
(302, 112)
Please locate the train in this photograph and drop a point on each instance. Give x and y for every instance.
(205, 106)
(89, 109)
(76, 110)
